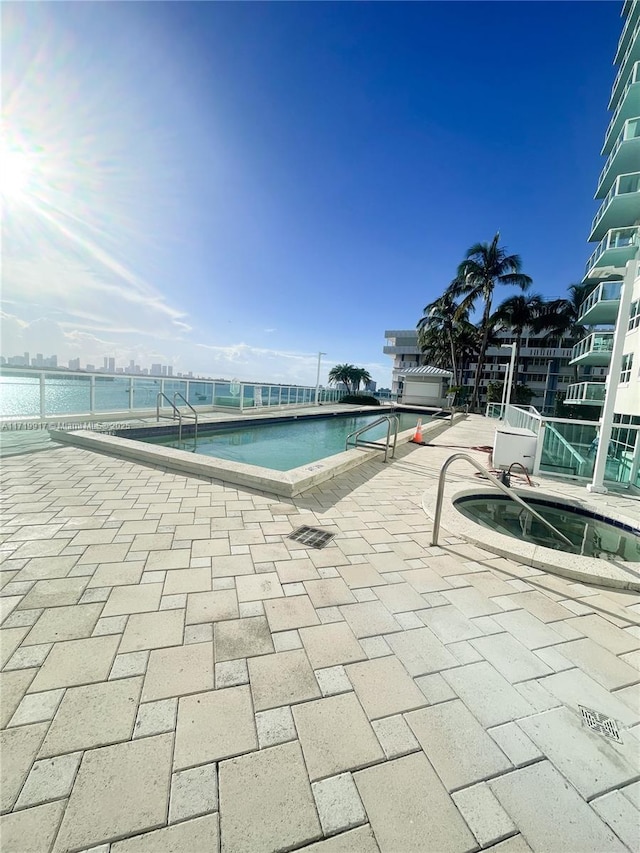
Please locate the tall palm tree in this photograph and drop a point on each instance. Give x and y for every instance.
(343, 373)
(518, 313)
(485, 266)
(438, 331)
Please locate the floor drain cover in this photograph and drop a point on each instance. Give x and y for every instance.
(312, 536)
(600, 723)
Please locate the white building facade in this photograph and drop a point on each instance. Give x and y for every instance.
(612, 308)
(544, 366)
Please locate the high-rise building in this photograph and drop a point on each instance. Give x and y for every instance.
(169, 370)
(74, 364)
(111, 365)
(156, 370)
(612, 309)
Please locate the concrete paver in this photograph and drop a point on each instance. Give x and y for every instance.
(272, 787)
(409, 808)
(281, 679)
(459, 749)
(100, 810)
(335, 735)
(162, 638)
(214, 725)
(569, 824)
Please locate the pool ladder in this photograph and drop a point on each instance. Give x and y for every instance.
(391, 421)
(177, 413)
(507, 491)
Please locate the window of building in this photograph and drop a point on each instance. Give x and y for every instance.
(627, 364)
(634, 315)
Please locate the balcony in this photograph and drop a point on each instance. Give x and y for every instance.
(631, 55)
(601, 306)
(401, 350)
(586, 394)
(595, 350)
(628, 106)
(616, 248)
(620, 207)
(624, 156)
(632, 11)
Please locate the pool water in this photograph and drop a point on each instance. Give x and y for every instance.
(592, 536)
(285, 445)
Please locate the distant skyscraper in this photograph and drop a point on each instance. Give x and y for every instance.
(74, 364)
(112, 365)
(169, 370)
(156, 370)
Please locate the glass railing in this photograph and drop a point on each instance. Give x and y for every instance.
(623, 61)
(630, 130)
(626, 30)
(634, 77)
(27, 393)
(569, 448)
(623, 185)
(595, 342)
(523, 417)
(606, 291)
(586, 392)
(616, 238)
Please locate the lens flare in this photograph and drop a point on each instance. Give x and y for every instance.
(16, 173)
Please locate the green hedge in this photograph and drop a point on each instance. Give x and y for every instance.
(360, 400)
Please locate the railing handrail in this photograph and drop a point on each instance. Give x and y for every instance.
(358, 432)
(494, 481)
(195, 416)
(176, 411)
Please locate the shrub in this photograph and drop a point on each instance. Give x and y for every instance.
(360, 400)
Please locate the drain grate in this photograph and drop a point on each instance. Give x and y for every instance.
(600, 723)
(312, 536)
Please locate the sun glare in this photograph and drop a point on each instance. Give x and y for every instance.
(16, 171)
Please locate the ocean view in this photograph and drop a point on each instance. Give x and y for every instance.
(21, 395)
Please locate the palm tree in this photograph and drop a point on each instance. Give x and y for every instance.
(560, 316)
(485, 266)
(436, 330)
(359, 375)
(342, 373)
(517, 313)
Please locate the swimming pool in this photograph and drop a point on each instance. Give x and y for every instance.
(279, 445)
(134, 445)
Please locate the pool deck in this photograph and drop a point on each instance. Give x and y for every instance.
(178, 675)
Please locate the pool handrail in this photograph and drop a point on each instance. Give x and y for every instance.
(374, 444)
(507, 491)
(176, 411)
(195, 415)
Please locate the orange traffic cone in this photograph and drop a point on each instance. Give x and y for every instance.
(417, 438)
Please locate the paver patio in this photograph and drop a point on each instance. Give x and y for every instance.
(178, 675)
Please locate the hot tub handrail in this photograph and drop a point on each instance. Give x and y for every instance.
(507, 491)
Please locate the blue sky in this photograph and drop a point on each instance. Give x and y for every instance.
(232, 187)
